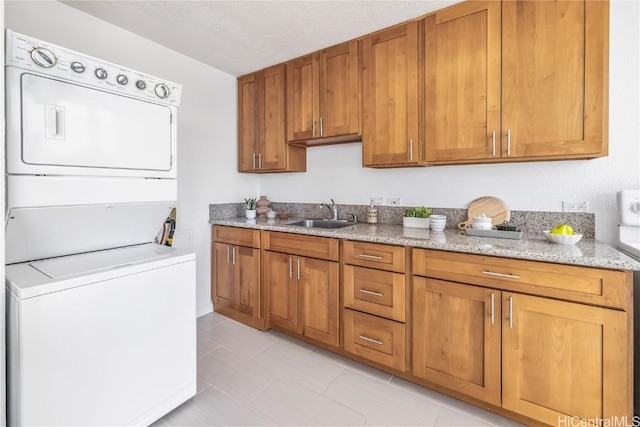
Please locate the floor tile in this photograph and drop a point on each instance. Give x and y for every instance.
(381, 404)
(448, 417)
(240, 378)
(209, 320)
(212, 408)
(201, 384)
(239, 338)
(299, 364)
(290, 404)
(354, 366)
(159, 423)
(205, 345)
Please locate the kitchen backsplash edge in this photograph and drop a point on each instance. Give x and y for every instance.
(530, 222)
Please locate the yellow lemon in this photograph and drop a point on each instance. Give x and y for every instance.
(562, 229)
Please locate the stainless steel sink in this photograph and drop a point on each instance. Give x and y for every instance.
(322, 223)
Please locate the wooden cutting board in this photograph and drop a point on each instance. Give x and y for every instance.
(492, 207)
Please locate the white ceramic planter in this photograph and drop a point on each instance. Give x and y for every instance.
(415, 222)
(251, 214)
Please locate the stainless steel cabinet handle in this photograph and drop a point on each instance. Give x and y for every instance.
(493, 143)
(299, 272)
(366, 338)
(290, 268)
(511, 312)
(228, 256)
(369, 256)
(492, 307)
(313, 128)
(491, 273)
(411, 150)
(508, 142)
(233, 255)
(259, 160)
(321, 127)
(368, 292)
(254, 161)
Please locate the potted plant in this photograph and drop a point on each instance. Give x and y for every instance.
(417, 217)
(250, 206)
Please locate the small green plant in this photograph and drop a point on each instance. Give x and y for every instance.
(250, 204)
(417, 212)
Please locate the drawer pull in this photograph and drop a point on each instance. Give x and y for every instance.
(491, 273)
(368, 292)
(366, 338)
(369, 256)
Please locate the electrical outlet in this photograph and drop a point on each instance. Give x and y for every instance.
(394, 201)
(580, 206)
(377, 200)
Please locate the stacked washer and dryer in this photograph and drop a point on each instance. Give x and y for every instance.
(101, 322)
(629, 243)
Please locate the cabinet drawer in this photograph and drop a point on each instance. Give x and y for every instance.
(580, 284)
(300, 244)
(373, 291)
(375, 255)
(379, 340)
(236, 236)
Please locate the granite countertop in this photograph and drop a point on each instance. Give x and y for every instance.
(587, 252)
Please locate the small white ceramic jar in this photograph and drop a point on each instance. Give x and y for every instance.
(482, 223)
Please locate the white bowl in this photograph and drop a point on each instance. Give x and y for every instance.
(562, 239)
(272, 214)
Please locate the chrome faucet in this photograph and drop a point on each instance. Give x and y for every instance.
(333, 208)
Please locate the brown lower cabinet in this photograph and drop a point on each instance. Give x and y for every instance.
(541, 342)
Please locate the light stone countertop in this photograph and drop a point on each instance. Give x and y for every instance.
(587, 252)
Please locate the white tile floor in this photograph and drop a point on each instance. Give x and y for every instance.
(252, 378)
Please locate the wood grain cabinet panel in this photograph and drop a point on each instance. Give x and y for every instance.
(562, 359)
(456, 337)
(516, 80)
(379, 340)
(376, 292)
(374, 255)
(262, 145)
(390, 97)
(323, 92)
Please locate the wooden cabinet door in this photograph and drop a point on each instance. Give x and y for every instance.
(278, 270)
(462, 73)
(247, 271)
(563, 359)
(248, 122)
(456, 337)
(555, 78)
(273, 144)
(390, 97)
(302, 98)
(222, 273)
(318, 300)
(339, 90)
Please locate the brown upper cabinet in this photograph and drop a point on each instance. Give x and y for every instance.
(323, 95)
(517, 80)
(262, 145)
(390, 97)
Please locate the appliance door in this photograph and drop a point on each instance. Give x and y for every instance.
(106, 352)
(70, 129)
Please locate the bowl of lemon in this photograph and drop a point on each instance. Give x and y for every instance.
(563, 234)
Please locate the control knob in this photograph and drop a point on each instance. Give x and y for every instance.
(101, 73)
(78, 67)
(140, 84)
(122, 79)
(162, 91)
(43, 57)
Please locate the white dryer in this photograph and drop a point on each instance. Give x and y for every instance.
(101, 321)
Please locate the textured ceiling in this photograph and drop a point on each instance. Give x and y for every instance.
(243, 36)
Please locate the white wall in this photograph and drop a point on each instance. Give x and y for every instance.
(206, 117)
(336, 172)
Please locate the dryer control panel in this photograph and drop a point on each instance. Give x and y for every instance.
(45, 58)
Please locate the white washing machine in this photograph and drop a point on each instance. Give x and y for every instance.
(629, 242)
(101, 322)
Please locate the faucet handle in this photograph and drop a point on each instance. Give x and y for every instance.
(354, 216)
